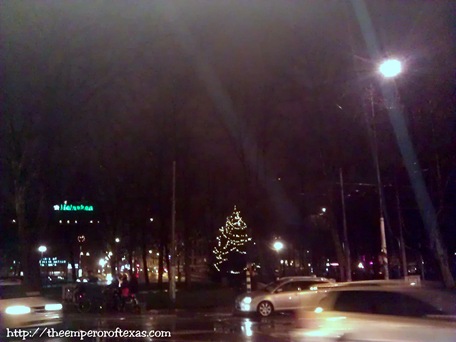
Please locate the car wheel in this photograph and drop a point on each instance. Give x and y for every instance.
(265, 309)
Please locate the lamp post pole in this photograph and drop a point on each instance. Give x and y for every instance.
(344, 218)
(81, 239)
(389, 69)
(172, 270)
(278, 246)
(43, 249)
(117, 241)
(384, 250)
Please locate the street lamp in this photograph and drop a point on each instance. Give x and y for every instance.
(278, 246)
(81, 240)
(117, 240)
(389, 69)
(42, 249)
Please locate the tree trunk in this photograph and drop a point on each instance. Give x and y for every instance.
(130, 262)
(187, 263)
(29, 255)
(30, 267)
(442, 256)
(113, 264)
(72, 263)
(160, 264)
(168, 264)
(339, 251)
(144, 260)
(179, 275)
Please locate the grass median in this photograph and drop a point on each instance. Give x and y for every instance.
(206, 298)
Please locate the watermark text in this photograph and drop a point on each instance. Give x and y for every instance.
(81, 335)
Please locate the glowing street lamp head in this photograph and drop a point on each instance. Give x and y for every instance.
(278, 246)
(42, 249)
(390, 68)
(117, 240)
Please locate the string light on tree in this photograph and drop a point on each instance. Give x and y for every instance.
(231, 240)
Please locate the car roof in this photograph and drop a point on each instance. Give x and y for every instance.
(402, 289)
(10, 281)
(304, 278)
(372, 283)
(372, 288)
(426, 294)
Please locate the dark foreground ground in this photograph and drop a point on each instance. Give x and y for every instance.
(178, 325)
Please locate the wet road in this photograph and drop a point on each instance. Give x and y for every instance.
(180, 326)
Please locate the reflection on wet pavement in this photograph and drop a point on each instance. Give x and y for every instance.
(215, 327)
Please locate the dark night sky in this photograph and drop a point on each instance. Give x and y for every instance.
(229, 87)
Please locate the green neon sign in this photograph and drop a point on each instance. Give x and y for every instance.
(72, 207)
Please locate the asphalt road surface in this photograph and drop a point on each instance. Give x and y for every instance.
(178, 326)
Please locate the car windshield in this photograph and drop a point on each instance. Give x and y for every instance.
(15, 291)
(443, 301)
(272, 285)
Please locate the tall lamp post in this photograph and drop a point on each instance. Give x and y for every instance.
(278, 246)
(389, 69)
(81, 239)
(117, 240)
(42, 250)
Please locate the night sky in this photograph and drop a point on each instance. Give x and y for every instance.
(259, 102)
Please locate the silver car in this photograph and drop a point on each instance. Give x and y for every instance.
(22, 309)
(289, 293)
(380, 313)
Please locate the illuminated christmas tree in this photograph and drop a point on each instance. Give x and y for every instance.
(231, 246)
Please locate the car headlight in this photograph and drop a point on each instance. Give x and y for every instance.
(247, 300)
(53, 307)
(17, 310)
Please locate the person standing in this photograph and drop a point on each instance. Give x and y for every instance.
(134, 285)
(124, 291)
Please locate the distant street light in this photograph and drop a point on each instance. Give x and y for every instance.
(42, 249)
(117, 240)
(278, 246)
(102, 262)
(81, 240)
